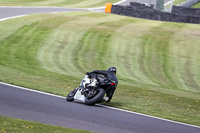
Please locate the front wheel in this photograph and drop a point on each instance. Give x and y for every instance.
(96, 98)
(70, 96)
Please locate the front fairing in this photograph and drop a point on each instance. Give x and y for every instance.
(85, 81)
(79, 97)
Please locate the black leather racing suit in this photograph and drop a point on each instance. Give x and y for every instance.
(110, 75)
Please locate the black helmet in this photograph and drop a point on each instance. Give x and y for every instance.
(112, 69)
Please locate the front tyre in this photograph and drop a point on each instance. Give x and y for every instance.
(97, 98)
(70, 96)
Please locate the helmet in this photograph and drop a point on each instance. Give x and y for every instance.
(112, 69)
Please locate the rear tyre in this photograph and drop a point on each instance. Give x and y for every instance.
(97, 98)
(70, 96)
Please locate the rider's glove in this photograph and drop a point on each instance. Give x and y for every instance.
(88, 73)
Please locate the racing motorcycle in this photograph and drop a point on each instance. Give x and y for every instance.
(91, 90)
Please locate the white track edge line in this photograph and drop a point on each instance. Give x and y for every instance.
(23, 88)
(13, 17)
(69, 7)
(168, 2)
(48, 7)
(150, 116)
(60, 7)
(119, 2)
(37, 91)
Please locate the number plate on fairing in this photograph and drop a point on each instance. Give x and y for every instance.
(78, 96)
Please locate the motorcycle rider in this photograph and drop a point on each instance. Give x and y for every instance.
(111, 75)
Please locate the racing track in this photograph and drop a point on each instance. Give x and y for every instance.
(31, 105)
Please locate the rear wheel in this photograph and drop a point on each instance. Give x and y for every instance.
(70, 96)
(95, 97)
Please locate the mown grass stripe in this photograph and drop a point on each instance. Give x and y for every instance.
(60, 3)
(87, 52)
(150, 57)
(185, 52)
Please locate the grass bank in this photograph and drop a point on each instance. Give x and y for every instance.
(10, 125)
(158, 62)
(197, 5)
(59, 3)
(176, 2)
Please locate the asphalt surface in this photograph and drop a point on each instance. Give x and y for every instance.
(6, 12)
(34, 106)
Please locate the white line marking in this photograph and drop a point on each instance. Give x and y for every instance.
(168, 2)
(13, 17)
(47, 7)
(119, 2)
(150, 116)
(23, 88)
(61, 7)
(29, 7)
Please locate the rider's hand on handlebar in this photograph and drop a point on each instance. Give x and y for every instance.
(89, 74)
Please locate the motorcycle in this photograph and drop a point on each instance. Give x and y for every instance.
(91, 90)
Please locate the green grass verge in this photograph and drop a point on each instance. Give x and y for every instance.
(60, 3)
(176, 2)
(158, 62)
(196, 5)
(10, 125)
